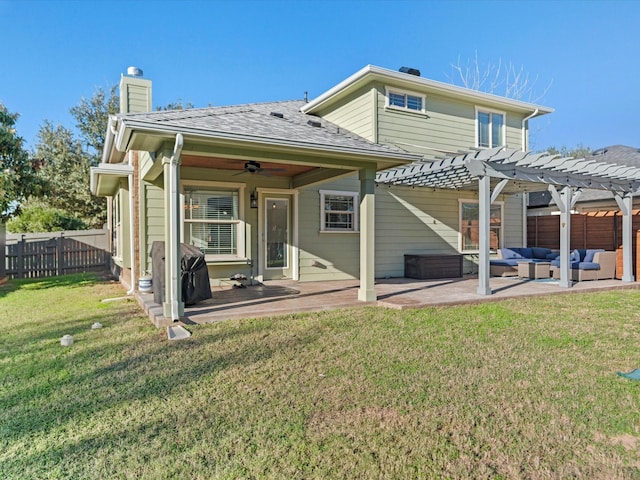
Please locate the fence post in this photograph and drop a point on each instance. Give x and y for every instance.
(20, 259)
(3, 249)
(60, 254)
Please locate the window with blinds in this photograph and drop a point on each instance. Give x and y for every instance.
(339, 211)
(212, 221)
(403, 100)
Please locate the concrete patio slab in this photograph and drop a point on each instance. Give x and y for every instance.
(289, 297)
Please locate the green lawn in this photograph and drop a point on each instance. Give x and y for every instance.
(515, 389)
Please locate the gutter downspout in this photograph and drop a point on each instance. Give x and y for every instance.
(524, 132)
(174, 234)
(525, 195)
(132, 226)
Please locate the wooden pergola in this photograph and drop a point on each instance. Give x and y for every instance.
(492, 172)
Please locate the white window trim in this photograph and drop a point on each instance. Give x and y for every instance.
(504, 126)
(476, 201)
(241, 222)
(400, 91)
(356, 207)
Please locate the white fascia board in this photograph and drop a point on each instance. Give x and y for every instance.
(125, 134)
(421, 82)
(116, 170)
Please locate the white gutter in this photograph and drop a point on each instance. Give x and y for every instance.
(109, 138)
(174, 234)
(524, 134)
(525, 195)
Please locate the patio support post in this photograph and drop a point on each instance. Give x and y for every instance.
(625, 203)
(484, 216)
(367, 291)
(564, 201)
(173, 307)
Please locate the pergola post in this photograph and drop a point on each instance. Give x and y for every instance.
(484, 218)
(564, 201)
(367, 291)
(625, 203)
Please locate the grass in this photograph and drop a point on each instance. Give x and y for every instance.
(514, 389)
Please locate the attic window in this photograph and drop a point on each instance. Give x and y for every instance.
(403, 100)
(277, 114)
(314, 123)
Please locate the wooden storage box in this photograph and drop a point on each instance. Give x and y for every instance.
(430, 266)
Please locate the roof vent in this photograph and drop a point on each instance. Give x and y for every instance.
(134, 72)
(410, 71)
(277, 114)
(314, 123)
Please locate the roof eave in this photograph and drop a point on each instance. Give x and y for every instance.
(130, 128)
(419, 82)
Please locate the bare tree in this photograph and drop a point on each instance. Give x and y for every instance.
(499, 78)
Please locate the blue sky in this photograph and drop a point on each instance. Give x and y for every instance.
(229, 52)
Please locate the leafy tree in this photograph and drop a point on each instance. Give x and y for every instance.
(37, 216)
(66, 175)
(92, 117)
(17, 171)
(177, 105)
(579, 151)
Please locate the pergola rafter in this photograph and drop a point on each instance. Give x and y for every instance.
(491, 171)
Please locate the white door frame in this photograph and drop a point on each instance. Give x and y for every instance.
(295, 267)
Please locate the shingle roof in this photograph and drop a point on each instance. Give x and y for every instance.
(271, 121)
(616, 154)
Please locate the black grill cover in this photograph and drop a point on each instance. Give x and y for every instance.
(194, 276)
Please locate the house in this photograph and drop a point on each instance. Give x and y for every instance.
(341, 187)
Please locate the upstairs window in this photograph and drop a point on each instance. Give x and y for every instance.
(490, 129)
(402, 100)
(339, 211)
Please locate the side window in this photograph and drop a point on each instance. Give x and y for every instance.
(491, 127)
(469, 226)
(338, 211)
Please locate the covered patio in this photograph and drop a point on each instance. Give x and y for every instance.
(289, 297)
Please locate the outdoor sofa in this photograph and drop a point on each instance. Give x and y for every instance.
(590, 264)
(506, 265)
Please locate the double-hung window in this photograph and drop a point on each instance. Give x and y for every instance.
(469, 226)
(212, 222)
(490, 128)
(402, 100)
(338, 211)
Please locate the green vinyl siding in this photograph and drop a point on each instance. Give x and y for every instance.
(421, 220)
(448, 126)
(413, 221)
(513, 219)
(153, 222)
(326, 255)
(354, 113)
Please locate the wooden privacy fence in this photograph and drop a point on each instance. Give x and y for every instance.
(32, 256)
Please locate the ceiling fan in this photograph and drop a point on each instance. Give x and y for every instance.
(254, 167)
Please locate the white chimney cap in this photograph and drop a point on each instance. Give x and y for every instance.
(134, 71)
